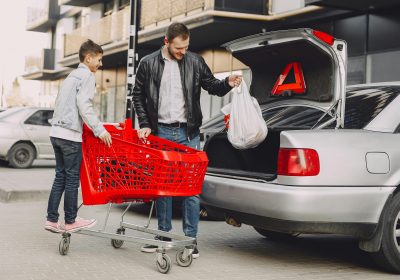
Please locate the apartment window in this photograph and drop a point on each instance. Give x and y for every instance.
(77, 21)
(123, 3)
(108, 7)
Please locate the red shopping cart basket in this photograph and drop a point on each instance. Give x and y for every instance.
(133, 169)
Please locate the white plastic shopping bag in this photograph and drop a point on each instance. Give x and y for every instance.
(247, 128)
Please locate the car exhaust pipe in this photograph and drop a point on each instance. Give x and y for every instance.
(231, 221)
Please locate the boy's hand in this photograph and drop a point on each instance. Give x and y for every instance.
(143, 133)
(105, 137)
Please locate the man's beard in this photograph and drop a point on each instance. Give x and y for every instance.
(173, 55)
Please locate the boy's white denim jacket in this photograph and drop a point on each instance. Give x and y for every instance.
(74, 103)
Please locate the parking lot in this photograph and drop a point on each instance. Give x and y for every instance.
(29, 252)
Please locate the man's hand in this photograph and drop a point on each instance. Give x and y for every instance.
(144, 132)
(234, 80)
(105, 137)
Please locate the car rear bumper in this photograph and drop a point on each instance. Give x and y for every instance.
(320, 204)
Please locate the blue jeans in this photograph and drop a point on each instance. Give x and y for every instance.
(68, 162)
(190, 204)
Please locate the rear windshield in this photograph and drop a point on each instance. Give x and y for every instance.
(364, 104)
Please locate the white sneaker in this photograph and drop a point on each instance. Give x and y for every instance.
(80, 224)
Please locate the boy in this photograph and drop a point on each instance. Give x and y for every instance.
(74, 105)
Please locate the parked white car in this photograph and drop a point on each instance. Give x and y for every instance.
(24, 135)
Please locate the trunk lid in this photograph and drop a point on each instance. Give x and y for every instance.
(321, 60)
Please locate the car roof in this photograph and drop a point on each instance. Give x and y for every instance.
(392, 83)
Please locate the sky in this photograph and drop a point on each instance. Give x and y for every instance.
(16, 42)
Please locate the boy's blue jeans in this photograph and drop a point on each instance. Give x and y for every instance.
(68, 162)
(190, 204)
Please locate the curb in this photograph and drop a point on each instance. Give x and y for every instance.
(26, 195)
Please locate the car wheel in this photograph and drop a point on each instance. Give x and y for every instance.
(276, 236)
(21, 155)
(388, 257)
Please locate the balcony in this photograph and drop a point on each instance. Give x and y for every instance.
(112, 29)
(42, 15)
(79, 3)
(211, 23)
(41, 65)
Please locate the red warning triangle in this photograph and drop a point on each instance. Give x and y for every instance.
(299, 86)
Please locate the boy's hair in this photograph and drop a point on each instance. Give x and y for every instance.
(89, 47)
(177, 29)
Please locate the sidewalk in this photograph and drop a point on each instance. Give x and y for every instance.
(30, 184)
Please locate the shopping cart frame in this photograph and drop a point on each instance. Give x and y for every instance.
(184, 244)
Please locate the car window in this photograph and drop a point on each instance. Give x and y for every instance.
(40, 117)
(296, 117)
(364, 104)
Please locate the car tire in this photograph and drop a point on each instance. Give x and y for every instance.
(388, 257)
(21, 155)
(276, 236)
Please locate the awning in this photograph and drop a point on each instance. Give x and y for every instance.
(360, 5)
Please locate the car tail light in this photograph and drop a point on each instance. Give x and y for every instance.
(329, 39)
(298, 162)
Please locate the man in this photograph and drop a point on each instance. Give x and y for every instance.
(74, 105)
(166, 98)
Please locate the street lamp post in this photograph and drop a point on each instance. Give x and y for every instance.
(132, 57)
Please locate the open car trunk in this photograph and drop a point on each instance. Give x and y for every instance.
(257, 163)
(322, 65)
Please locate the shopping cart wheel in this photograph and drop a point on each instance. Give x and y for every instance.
(118, 243)
(184, 257)
(163, 263)
(63, 247)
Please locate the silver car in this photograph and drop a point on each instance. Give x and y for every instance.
(24, 135)
(331, 160)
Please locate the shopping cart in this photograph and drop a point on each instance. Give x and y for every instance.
(136, 170)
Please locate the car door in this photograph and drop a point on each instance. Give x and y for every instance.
(37, 127)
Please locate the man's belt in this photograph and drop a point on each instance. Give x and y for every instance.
(174, 124)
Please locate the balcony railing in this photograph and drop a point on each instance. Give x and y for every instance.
(112, 28)
(153, 11)
(42, 15)
(79, 3)
(42, 61)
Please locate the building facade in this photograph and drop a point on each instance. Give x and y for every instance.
(369, 29)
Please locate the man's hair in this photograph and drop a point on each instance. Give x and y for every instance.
(89, 47)
(177, 29)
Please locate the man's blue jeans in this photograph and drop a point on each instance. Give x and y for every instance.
(68, 162)
(190, 204)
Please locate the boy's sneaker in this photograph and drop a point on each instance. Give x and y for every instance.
(79, 224)
(153, 248)
(53, 227)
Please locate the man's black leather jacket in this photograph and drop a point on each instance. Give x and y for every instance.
(195, 74)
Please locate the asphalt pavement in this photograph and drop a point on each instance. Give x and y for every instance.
(27, 251)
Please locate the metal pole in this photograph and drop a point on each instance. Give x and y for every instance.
(132, 57)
